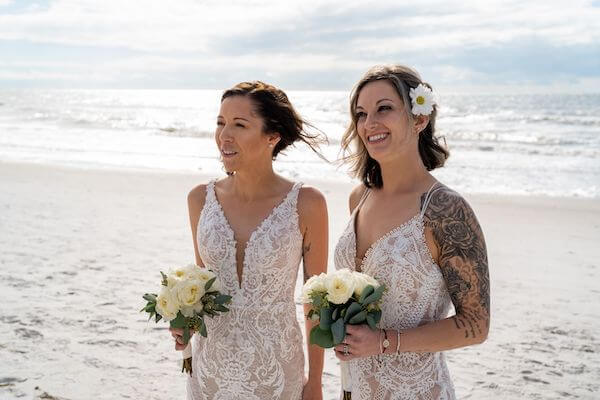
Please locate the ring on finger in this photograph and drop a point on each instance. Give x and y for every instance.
(346, 350)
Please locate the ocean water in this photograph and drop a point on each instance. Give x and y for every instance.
(500, 144)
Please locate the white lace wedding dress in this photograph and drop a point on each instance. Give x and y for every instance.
(416, 294)
(255, 350)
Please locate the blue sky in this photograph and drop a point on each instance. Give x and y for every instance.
(491, 45)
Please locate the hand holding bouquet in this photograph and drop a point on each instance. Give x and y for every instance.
(340, 298)
(187, 295)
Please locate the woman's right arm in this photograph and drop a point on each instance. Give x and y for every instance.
(196, 199)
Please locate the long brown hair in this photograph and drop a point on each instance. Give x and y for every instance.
(278, 115)
(402, 78)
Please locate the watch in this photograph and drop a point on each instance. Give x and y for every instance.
(386, 342)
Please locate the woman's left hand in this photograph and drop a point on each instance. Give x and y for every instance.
(360, 341)
(312, 390)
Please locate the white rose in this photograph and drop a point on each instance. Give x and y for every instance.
(167, 304)
(189, 292)
(362, 281)
(204, 275)
(340, 286)
(315, 283)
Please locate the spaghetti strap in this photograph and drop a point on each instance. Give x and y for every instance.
(362, 200)
(427, 198)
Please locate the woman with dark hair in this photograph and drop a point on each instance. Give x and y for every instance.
(415, 235)
(252, 229)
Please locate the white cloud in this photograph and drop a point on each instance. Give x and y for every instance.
(155, 38)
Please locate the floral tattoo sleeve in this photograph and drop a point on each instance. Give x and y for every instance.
(462, 259)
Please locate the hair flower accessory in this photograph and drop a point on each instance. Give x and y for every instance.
(422, 100)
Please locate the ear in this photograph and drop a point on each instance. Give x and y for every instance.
(273, 139)
(420, 123)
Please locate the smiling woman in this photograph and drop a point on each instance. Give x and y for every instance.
(414, 235)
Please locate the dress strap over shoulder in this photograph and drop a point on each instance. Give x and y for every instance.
(428, 198)
(293, 194)
(362, 199)
(210, 192)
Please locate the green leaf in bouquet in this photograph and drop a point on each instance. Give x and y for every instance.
(325, 318)
(366, 293)
(338, 331)
(164, 281)
(352, 310)
(220, 307)
(320, 337)
(222, 299)
(358, 318)
(186, 335)
(203, 328)
(371, 321)
(317, 301)
(336, 313)
(375, 296)
(150, 297)
(209, 284)
(150, 307)
(375, 316)
(157, 317)
(179, 321)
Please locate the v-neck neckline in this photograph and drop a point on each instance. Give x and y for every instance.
(389, 233)
(258, 227)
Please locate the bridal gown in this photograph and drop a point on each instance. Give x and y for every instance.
(416, 294)
(255, 350)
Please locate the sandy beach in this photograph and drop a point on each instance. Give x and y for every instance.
(78, 248)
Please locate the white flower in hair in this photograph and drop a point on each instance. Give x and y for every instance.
(422, 100)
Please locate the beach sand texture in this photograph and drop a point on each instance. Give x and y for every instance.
(79, 247)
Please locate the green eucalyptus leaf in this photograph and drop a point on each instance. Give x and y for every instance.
(366, 293)
(376, 315)
(203, 329)
(335, 314)
(375, 296)
(179, 321)
(358, 318)
(150, 297)
(219, 307)
(371, 321)
(325, 318)
(222, 299)
(186, 335)
(158, 317)
(320, 337)
(209, 283)
(338, 331)
(352, 311)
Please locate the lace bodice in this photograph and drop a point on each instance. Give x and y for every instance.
(416, 294)
(255, 350)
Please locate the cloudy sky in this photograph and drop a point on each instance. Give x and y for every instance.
(297, 44)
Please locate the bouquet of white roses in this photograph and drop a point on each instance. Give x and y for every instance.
(187, 295)
(340, 298)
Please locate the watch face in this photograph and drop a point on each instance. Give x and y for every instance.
(386, 343)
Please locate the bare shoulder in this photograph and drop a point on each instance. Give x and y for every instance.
(355, 196)
(310, 200)
(196, 198)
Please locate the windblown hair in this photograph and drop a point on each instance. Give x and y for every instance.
(402, 78)
(278, 115)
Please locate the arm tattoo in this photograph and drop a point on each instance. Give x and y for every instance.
(305, 251)
(462, 259)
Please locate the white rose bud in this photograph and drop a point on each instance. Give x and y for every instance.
(166, 304)
(362, 281)
(340, 286)
(315, 283)
(189, 292)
